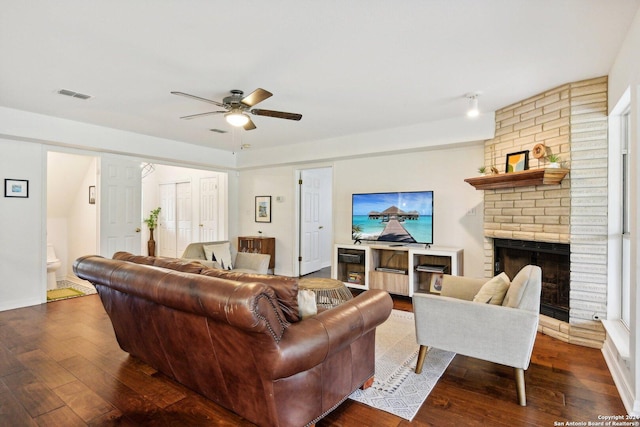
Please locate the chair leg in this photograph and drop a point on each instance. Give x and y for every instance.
(522, 394)
(421, 355)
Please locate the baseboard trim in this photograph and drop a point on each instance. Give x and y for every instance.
(620, 378)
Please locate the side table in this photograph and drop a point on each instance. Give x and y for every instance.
(329, 292)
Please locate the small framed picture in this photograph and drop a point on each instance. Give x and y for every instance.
(436, 283)
(517, 161)
(16, 188)
(92, 194)
(263, 208)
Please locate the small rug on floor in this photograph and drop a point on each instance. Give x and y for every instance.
(396, 388)
(64, 293)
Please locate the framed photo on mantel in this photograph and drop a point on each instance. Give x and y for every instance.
(517, 161)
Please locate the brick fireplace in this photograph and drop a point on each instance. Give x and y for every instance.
(570, 120)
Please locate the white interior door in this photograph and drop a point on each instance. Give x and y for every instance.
(209, 209)
(167, 221)
(310, 222)
(183, 217)
(120, 193)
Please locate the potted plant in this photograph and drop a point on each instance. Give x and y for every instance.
(152, 223)
(554, 160)
(482, 170)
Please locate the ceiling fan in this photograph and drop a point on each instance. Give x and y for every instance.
(236, 106)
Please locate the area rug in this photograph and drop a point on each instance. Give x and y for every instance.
(64, 293)
(396, 388)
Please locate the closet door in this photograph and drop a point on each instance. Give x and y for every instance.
(183, 214)
(175, 218)
(167, 222)
(209, 209)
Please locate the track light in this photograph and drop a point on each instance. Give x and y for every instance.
(473, 106)
(236, 118)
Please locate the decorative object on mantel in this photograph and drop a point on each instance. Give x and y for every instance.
(542, 176)
(152, 223)
(494, 170)
(518, 161)
(482, 170)
(539, 151)
(554, 160)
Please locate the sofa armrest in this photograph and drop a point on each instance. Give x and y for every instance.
(257, 263)
(495, 333)
(308, 343)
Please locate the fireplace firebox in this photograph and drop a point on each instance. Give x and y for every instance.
(554, 260)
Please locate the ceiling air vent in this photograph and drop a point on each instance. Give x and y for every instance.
(73, 94)
(218, 130)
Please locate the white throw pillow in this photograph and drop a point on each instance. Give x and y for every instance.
(307, 303)
(221, 253)
(494, 290)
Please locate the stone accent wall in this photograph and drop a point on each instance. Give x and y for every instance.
(571, 120)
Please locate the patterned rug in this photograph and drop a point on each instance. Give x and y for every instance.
(396, 388)
(64, 293)
(68, 289)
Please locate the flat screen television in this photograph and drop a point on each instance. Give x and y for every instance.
(398, 217)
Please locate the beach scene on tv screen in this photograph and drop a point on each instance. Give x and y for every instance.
(405, 217)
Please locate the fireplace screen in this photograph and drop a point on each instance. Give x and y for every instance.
(554, 260)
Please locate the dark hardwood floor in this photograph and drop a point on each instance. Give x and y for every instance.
(60, 365)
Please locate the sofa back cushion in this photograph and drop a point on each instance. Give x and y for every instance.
(170, 263)
(285, 288)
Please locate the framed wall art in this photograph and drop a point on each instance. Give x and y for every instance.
(517, 161)
(16, 188)
(263, 208)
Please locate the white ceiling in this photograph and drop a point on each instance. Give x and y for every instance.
(347, 66)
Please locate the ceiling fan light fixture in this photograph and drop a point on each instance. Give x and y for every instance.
(473, 106)
(236, 118)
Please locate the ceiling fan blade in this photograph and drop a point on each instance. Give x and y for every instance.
(196, 116)
(250, 125)
(256, 96)
(277, 114)
(199, 99)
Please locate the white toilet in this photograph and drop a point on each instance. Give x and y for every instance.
(53, 264)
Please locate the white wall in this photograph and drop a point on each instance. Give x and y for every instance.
(277, 182)
(624, 74)
(83, 220)
(22, 238)
(442, 170)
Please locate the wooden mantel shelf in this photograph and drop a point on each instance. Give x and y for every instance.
(542, 176)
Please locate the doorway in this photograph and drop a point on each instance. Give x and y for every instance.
(72, 218)
(315, 220)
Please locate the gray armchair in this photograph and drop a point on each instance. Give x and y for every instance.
(502, 334)
(243, 262)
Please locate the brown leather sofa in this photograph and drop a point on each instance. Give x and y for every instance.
(239, 342)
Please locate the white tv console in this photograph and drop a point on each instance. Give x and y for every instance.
(400, 270)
